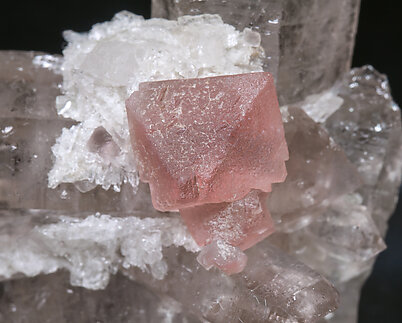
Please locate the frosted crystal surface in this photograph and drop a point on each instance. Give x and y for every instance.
(241, 223)
(136, 50)
(308, 44)
(226, 257)
(260, 16)
(207, 140)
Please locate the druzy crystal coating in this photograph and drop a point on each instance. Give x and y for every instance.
(207, 140)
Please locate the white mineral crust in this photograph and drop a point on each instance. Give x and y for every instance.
(103, 67)
(93, 248)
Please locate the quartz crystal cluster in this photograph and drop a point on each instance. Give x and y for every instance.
(80, 239)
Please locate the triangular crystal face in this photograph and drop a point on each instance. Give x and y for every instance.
(207, 140)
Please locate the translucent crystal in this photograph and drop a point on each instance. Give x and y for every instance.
(51, 298)
(272, 287)
(318, 173)
(229, 259)
(241, 223)
(207, 140)
(311, 41)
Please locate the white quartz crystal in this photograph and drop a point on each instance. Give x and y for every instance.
(103, 67)
(93, 248)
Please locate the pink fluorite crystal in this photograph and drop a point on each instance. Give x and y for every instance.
(241, 223)
(207, 140)
(210, 148)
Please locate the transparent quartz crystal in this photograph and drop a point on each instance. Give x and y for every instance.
(308, 44)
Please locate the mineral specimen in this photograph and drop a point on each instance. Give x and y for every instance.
(208, 140)
(348, 141)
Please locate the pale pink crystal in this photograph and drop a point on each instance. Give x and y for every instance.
(102, 143)
(229, 259)
(241, 223)
(207, 140)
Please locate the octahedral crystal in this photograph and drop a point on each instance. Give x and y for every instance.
(207, 140)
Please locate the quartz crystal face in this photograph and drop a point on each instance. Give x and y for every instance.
(207, 140)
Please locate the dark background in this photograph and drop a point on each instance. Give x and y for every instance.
(37, 25)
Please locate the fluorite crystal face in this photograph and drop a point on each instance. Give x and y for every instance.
(241, 223)
(207, 140)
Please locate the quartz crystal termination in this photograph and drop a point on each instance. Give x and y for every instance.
(309, 44)
(203, 145)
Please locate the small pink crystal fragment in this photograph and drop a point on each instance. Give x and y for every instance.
(229, 259)
(102, 143)
(207, 140)
(241, 223)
